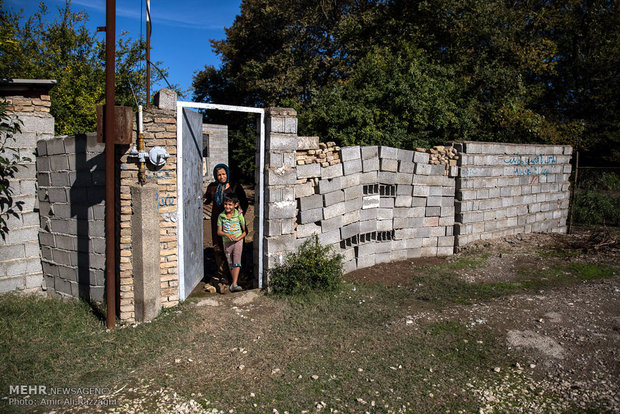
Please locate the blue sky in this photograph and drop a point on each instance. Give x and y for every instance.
(181, 28)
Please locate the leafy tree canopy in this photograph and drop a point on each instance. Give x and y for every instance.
(65, 50)
(409, 72)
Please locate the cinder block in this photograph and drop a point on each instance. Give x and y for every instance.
(388, 152)
(421, 157)
(350, 180)
(281, 142)
(367, 226)
(279, 244)
(310, 202)
(304, 190)
(352, 167)
(307, 230)
(308, 171)
(333, 210)
(433, 201)
(418, 202)
(366, 261)
(389, 164)
(371, 164)
(368, 178)
(433, 211)
(331, 224)
(332, 237)
(350, 153)
(385, 177)
(404, 190)
(370, 152)
(332, 171)
(280, 176)
(423, 169)
(333, 197)
(406, 167)
(386, 202)
(385, 214)
(438, 169)
(353, 204)
(349, 266)
(403, 201)
(310, 216)
(352, 193)
(329, 185)
(385, 225)
(350, 230)
(421, 191)
(280, 210)
(368, 214)
(305, 143)
(350, 216)
(372, 201)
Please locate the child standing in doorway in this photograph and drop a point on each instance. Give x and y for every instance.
(231, 227)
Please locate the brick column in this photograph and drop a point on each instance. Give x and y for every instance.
(280, 177)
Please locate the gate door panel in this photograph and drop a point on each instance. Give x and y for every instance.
(191, 261)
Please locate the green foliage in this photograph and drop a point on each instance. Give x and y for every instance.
(65, 50)
(9, 163)
(417, 72)
(312, 267)
(597, 201)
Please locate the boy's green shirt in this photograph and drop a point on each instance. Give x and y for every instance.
(233, 225)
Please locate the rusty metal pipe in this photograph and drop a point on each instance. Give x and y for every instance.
(142, 168)
(110, 239)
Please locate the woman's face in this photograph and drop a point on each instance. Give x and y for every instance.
(220, 175)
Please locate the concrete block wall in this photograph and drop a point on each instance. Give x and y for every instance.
(159, 130)
(506, 189)
(279, 194)
(380, 204)
(20, 258)
(71, 194)
(215, 151)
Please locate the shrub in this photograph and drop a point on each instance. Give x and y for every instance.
(312, 267)
(599, 202)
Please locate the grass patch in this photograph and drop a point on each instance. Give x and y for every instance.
(61, 343)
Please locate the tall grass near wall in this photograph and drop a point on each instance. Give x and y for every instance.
(597, 197)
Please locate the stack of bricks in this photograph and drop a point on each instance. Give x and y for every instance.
(506, 189)
(20, 261)
(444, 155)
(311, 151)
(71, 178)
(279, 195)
(159, 130)
(380, 204)
(38, 103)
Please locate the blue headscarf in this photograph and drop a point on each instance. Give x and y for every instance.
(221, 187)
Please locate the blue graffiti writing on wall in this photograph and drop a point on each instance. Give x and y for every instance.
(538, 160)
(531, 166)
(158, 174)
(531, 171)
(164, 201)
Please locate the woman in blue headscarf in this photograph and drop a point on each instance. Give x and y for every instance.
(215, 196)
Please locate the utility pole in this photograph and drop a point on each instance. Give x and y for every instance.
(148, 53)
(110, 239)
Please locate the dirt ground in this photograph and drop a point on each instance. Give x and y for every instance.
(567, 336)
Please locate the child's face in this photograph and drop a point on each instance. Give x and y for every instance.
(229, 206)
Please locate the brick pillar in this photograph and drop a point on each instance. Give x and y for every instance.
(279, 195)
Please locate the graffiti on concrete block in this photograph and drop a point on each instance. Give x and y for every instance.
(526, 165)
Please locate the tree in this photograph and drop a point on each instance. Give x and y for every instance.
(65, 50)
(535, 71)
(9, 161)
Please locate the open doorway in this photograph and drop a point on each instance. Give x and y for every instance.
(190, 215)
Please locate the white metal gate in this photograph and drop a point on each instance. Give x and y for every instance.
(189, 175)
(189, 146)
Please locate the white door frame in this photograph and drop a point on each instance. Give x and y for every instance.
(261, 182)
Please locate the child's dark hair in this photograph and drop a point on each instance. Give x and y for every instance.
(231, 197)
